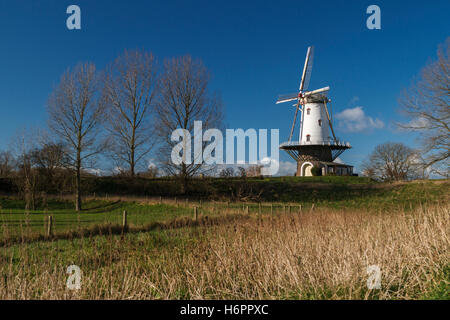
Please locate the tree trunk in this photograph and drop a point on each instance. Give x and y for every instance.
(78, 182)
(132, 164)
(184, 177)
(133, 147)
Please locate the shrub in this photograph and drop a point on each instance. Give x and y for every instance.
(316, 171)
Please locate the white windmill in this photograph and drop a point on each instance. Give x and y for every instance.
(314, 147)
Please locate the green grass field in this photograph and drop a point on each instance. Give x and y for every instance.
(94, 212)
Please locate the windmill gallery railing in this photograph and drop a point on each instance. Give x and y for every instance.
(295, 148)
(336, 143)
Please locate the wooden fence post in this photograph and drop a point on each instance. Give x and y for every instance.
(124, 221)
(160, 199)
(246, 210)
(259, 208)
(312, 207)
(196, 213)
(271, 208)
(50, 226)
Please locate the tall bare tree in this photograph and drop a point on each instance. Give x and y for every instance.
(129, 91)
(427, 104)
(76, 110)
(184, 98)
(392, 162)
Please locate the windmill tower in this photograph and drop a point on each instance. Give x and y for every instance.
(315, 147)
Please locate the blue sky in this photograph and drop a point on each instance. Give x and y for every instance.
(255, 50)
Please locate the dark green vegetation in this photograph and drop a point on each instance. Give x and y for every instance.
(198, 187)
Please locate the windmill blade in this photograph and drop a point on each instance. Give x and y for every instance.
(309, 93)
(309, 70)
(306, 75)
(287, 97)
(295, 120)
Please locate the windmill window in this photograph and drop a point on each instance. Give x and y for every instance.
(320, 123)
(308, 111)
(308, 137)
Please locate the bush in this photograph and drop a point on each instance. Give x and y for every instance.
(316, 171)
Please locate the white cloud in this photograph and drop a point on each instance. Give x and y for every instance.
(416, 124)
(117, 170)
(354, 120)
(287, 168)
(94, 171)
(151, 164)
(266, 161)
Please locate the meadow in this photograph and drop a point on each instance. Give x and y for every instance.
(315, 247)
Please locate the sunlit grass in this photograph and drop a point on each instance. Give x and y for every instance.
(320, 254)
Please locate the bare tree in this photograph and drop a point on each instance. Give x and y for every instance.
(52, 160)
(241, 172)
(151, 172)
(392, 162)
(7, 163)
(75, 113)
(427, 104)
(26, 177)
(253, 170)
(184, 98)
(50, 157)
(226, 172)
(368, 170)
(129, 91)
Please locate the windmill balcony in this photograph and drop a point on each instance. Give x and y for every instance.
(334, 143)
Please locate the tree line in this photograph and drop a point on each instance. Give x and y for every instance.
(120, 113)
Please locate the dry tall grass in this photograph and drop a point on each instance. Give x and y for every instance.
(322, 254)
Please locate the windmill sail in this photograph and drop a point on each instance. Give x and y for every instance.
(287, 97)
(306, 75)
(310, 93)
(308, 69)
(304, 82)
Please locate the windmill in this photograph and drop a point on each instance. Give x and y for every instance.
(314, 147)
